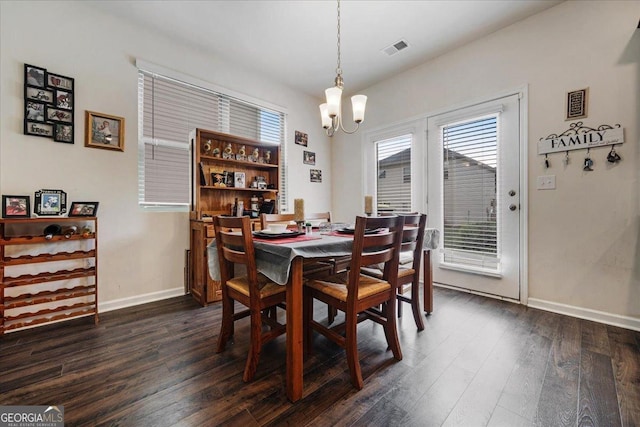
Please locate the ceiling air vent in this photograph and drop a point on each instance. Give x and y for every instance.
(396, 47)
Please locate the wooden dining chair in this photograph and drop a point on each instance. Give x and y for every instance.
(253, 290)
(359, 295)
(411, 251)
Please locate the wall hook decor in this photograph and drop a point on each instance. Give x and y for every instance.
(588, 163)
(579, 137)
(546, 162)
(613, 157)
(566, 158)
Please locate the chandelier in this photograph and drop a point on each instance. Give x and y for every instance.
(331, 111)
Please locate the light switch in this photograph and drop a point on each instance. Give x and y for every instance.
(547, 182)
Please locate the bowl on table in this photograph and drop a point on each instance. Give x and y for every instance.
(276, 228)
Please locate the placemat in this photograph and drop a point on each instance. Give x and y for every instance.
(284, 240)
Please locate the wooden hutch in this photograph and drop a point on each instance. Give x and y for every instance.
(225, 169)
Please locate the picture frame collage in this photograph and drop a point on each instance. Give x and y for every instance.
(48, 104)
(46, 203)
(308, 157)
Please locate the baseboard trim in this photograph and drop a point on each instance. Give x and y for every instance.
(139, 299)
(586, 313)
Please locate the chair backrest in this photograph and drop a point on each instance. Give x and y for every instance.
(376, 248)
(235, 246)
(326, 216)
(413, 236)
(266, 219)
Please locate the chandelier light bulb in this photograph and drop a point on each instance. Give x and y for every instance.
(324, 113)
(358, 103)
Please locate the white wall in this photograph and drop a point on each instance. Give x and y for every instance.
(141, 254)
(583, 237)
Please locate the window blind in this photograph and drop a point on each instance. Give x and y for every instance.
(393, 189)
(168, 110)
(469, 193)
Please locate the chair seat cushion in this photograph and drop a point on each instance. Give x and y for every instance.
(336, 285)
(377, 273)
(266, 286)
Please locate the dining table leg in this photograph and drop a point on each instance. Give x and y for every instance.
(428, 282)
(294, 331)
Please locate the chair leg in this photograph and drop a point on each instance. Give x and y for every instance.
(428, 282)
(415, 303)
(391, 330)
(256, 346)
(351, 347)
(226, 328)
(332, 312)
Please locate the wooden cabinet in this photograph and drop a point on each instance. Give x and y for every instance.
(47, 278)
(225, 168)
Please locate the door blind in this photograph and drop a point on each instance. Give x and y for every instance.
(168, 110)
(394, 174)
(469, 193)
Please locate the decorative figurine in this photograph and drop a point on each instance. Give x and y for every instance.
(206, 147)
(228, 152)
(267, 156)
(242, 154)
(255, 155)
(216, 152)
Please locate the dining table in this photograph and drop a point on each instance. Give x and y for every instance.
(280, 258)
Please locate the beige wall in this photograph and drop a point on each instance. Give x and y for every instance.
(583, 246)
(141, 253)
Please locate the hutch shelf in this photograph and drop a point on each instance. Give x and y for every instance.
(226, 171)
(47, 278)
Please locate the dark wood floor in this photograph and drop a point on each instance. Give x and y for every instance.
(478, 362)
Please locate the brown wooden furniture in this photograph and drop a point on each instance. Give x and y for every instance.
(216, 158)
(427, 286)
(62, 278)
(409, 270)
(253, 290)
(358, 295)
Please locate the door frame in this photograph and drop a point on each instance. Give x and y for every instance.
(523, 94)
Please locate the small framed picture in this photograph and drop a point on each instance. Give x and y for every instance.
(15, 207)
(301, 138)
(309, 158)
(38, 94)
(34, 111)
(63, 133)
(38, 129)
(239, 179)
(83, 209)
(58, 115)
(104, 131)
(64, 99)
(59, 82)
(577, 103)
(50, 202)
(316, 175)
(34, 76)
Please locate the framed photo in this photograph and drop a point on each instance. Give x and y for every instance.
(301, 138)
(34, 76)
(316, 175)
(577, 102)
(59, 82)
(83, 209)
(64, 99)
(239, 179)
(50, 202)
(104, 131)
(34, 111)
(38, 129)
(63, 133)
(15, 207)
(309, 158)
(58, 115)
(38, 94)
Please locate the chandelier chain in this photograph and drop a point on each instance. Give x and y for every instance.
(339, 68)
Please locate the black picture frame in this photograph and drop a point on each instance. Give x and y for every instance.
(16, 206)
(64, 99)
(301, 138)
(38, 94)
(309, 158)
(35, 76)
(35, 111)
(57, 115)
(83, 208)
(315, 175)
(58, 81)
(63, 133)
(50, 203)
(44, 130)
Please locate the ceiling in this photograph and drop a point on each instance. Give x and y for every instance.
(294, 41)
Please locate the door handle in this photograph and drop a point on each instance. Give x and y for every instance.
(513, 207)
(512, 193)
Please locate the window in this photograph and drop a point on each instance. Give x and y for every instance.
(393, 159)
(168, 110)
